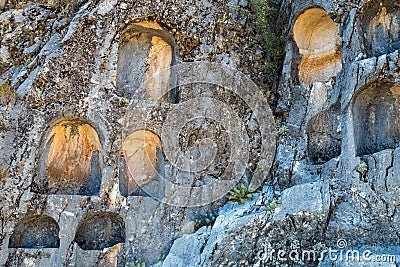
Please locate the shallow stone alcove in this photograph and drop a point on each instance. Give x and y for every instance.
(100, 230)
(35, 232)
(316, 36)
(376, 117)
(324, 135)
(71, 159)
(145, 54)
(143, 162)
(379, 27)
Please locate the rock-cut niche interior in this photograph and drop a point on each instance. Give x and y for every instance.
(71, 159)
(379, 27)
(143, 160)
(317, 38)
(100, 230)
(35, 232)
(145, 55)
(376, 117)
(324, 135)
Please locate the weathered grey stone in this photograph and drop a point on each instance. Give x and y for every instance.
(312, 198)
(186, 250)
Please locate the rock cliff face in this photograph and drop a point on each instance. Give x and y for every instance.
(122, 121)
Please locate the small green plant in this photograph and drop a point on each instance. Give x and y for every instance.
(37, 96)
(26, 61)
(138, 264)
(205, 219)
(240, 193)
(273, 204)
(362, 168)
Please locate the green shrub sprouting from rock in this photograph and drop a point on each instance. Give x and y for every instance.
(240, 193)
(280, 129)
(362, 168)
(264, 14)
(273, 204)
(267, 28)
(205, 219)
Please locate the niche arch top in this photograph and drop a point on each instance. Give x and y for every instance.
(315, 32)
(151, 28)
(376, 117)
(144, 160)
(317, 38)
(71, 158)
(145, 54)
(35, 232)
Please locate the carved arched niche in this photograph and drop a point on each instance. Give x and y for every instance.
(316, 36)
(376, 117)
(35, 232)
(145, 55)
(71, 160)
(379, 27)
(100, 230)
(324, 135)
(143, 157)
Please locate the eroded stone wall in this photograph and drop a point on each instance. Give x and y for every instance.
(336, 168)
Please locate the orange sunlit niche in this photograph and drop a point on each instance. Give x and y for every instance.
(140, 150)
(70, 160)
(145, 58)
(316, 36)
